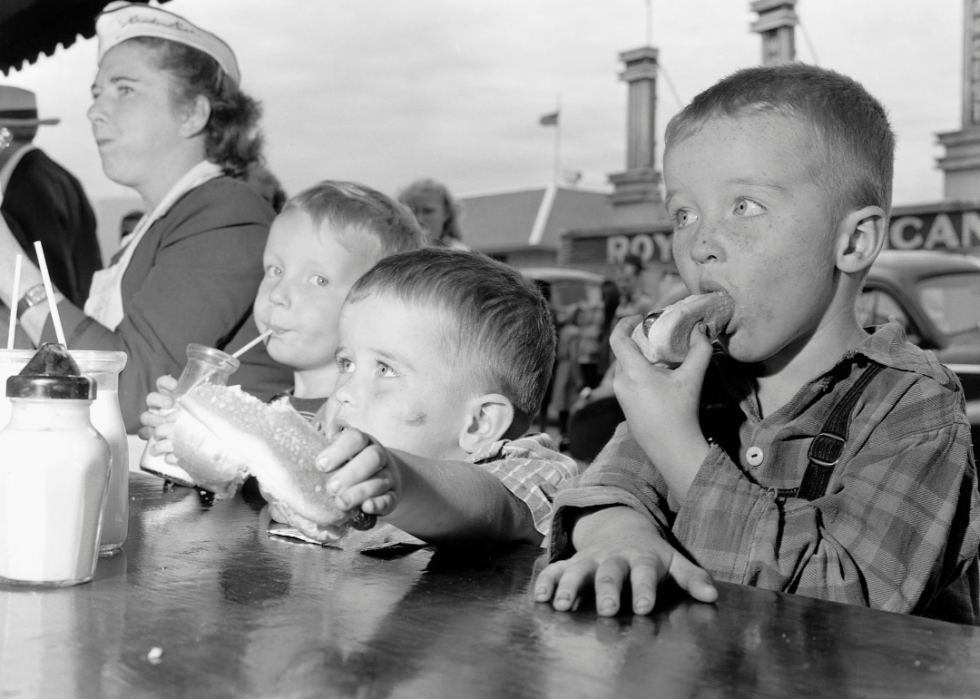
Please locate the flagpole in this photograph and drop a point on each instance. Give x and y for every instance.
(557, 174)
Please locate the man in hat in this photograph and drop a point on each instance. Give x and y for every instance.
(43, 201)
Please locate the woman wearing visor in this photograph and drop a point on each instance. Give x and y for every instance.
(170, 121)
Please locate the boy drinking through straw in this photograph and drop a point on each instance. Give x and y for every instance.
(323, 240)
(806, 455)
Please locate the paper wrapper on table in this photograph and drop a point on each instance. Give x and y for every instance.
(383, 536)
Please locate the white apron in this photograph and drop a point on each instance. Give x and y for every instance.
(105, 297)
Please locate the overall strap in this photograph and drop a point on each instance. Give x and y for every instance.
(827, 447)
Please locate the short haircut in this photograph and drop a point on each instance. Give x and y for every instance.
(354, 210)
(849, 126)
(501, 337)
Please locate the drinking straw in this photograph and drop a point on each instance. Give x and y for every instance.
(18, 261)
(251, 344)
(50, 291)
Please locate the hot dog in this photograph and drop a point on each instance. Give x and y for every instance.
(224, 434)
(664, 336)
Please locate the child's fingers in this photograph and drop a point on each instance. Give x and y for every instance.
(159, 401)
(544, 587)
(574, 578)
(161, 447)
(381, 505)
(342, 449)
(166, 383)
(693, 579)
(699, 355)
(364, 489)
(609, 579)
(620, 339)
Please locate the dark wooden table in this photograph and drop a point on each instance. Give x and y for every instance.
(237, 613)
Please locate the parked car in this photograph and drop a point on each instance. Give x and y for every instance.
(567, 286)
(935, 296)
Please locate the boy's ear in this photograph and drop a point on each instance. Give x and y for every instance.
(196, 116)
(487, 420)
(860, 237)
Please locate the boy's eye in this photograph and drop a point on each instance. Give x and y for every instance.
(345, 365)
(684, 217)
(319, 280)
(386, 371)
(747, 207)
(273, 271)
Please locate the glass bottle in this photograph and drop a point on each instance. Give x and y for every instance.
(104, 367)
(11, 362)
(54, 474)
(204, 365)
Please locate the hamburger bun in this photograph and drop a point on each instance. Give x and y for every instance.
(237, 434)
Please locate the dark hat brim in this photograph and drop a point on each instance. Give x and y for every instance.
(28, 122)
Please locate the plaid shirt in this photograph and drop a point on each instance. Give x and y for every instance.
(899, 525)
(531, 469)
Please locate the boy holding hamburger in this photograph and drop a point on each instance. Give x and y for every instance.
(808, 456)
(435, 364)
(444, 356)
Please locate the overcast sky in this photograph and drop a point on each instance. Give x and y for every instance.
(386, 91)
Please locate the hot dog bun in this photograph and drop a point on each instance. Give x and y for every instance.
(271, 441)
(664, 336)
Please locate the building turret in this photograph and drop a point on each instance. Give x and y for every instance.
(961, 164)
(636, 195)
(777, 25)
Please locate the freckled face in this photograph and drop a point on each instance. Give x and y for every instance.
(396, 383)
(749, 219)
(308, 273)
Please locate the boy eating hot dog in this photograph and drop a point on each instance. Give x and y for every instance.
(809, 456)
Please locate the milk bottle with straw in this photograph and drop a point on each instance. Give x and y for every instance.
(105, 414)
(204, 365)
(54, 473)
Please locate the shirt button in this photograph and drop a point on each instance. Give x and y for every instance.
(754, 456)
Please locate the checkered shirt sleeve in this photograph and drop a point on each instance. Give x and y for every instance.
(900, 520)
(532, 470)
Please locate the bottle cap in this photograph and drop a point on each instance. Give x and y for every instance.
(51, 373)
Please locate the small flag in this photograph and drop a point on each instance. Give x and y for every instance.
(549, 119)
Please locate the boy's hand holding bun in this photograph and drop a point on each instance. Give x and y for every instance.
(158, 421)
(365, 474)
(661, 405)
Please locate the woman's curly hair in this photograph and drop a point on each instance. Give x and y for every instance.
(232, 138)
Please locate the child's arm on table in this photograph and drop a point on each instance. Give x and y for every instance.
(613, 523)
(158, 421)
(440, 501)
(611, 545)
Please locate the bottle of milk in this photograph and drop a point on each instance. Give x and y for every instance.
(54, 473)
(204, 365)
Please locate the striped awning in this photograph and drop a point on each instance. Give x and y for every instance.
(29, 28)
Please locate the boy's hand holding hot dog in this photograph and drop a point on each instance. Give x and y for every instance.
(661, 404)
